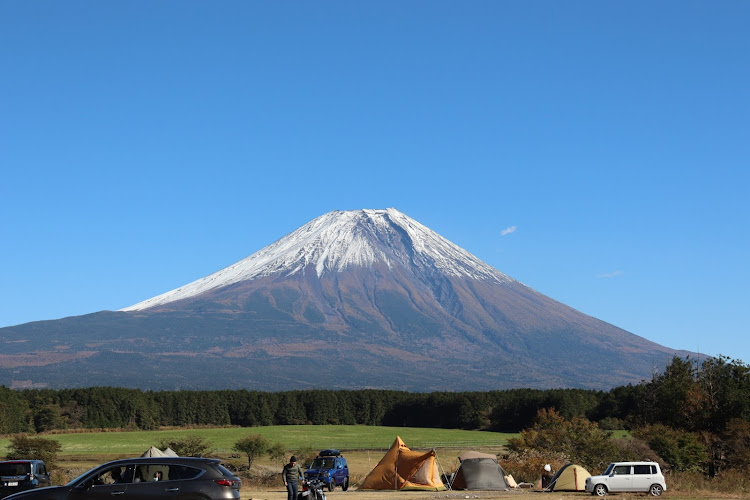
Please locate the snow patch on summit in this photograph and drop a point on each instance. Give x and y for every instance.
(340, 239)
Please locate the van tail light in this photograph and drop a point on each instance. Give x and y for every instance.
(232, 483)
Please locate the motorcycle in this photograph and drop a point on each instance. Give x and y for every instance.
(312, 490)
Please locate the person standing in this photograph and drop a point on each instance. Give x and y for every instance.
(547, 476)
(291, 475)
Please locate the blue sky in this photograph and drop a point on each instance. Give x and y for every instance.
(596, 151)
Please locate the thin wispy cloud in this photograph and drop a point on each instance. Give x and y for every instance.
(508, 230)
(609, 275)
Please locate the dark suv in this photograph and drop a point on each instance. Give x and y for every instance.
(147, 478)
(331, 468)
(22, 475)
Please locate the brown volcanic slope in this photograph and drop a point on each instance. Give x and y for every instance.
(398, 314)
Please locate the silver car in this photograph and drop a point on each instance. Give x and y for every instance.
(628, 477)
(152, 478)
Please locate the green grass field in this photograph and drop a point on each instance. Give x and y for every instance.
(293, 437)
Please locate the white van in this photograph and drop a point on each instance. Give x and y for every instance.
(626, 477)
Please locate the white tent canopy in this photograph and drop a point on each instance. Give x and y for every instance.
(154, 452)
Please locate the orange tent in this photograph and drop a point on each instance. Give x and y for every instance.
(403, 469)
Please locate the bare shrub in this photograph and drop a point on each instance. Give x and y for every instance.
(58, 476)
(526, 465)
(34, 448)
(728, 482)
(261, 477)
(306, 455)
(634, 449)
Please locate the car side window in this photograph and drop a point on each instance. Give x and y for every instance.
(111, 475)
(184, 472)
(642, 469)
(164, 472)
(151, 473)
(621, 470)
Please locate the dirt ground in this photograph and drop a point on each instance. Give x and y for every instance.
(397, 495)
(278, 494)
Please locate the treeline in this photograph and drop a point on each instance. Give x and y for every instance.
(111, 407)
(694, 417)
(689, 395)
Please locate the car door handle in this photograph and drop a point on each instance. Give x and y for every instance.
(117, 493)
(172, 489)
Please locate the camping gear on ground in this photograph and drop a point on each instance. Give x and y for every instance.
(570, 477)
(404, 469)
(511, 482)
(479, 471)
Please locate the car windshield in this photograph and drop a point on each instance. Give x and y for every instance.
(609, 469)
(15, 469)
(322, 463)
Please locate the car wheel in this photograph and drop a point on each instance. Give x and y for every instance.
(600, 490)
(331, 485)
(656, 490)
(345, 486)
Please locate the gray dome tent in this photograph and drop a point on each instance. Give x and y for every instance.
(479, 471)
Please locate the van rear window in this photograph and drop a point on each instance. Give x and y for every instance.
(15, 469)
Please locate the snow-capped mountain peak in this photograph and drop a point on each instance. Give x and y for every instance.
(386, 300)
(338, 240)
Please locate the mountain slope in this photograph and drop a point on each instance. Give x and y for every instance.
(365, 298)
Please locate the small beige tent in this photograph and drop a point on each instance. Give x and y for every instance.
(571, 477)
(403, 469)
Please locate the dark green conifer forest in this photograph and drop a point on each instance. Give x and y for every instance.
(689, 395)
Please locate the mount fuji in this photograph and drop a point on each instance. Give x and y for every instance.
(352, 299)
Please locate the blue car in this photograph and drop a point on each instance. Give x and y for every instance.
(330, 468)
(22, 475)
